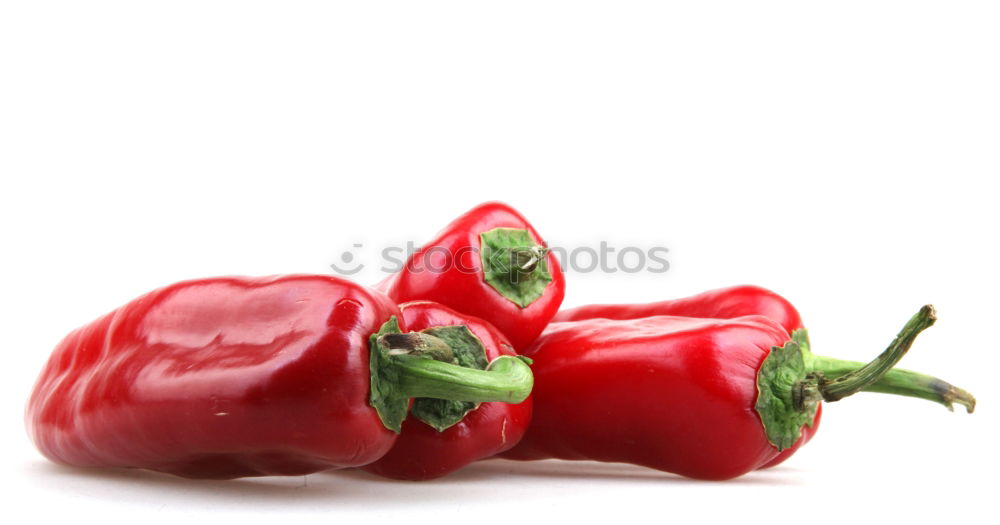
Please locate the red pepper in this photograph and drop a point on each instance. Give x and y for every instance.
(228, 377)
(724, 303)
(490, 263)
(429, 447)
(704, 398)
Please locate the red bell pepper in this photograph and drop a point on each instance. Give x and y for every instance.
(704, 398)
(228, 377)
(490, 263)
(443, 436)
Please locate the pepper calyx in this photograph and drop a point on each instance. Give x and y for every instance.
(782, 411)
(514, 265)
(469, 352)
(792, 381)
(421, 365)
(391, 409)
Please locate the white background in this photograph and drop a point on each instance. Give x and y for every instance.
(843, 154)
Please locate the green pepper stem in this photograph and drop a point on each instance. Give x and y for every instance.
(792, 381)
(418, 364)
(854, 382)
(506, 378)
(901, 382)
(424, 366)
(524, 260)
(833, 379)
(417, 343)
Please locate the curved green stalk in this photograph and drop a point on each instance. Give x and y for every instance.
(900, 382)
(792, 381)
(417, 364)
(837, 388)
(507, 379)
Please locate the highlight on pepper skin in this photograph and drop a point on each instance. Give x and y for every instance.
(234, 376)
(518, 299)
(421, 375)
(708, 398)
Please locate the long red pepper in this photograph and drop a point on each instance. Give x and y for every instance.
(490, 263)
(443, 436)
(228, 377)
(738, 301)
(704, 398)
(723, 303)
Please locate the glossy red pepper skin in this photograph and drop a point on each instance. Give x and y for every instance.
(671, 393)
(219, 378)
(723, 303)
(448, 270)
(421, 452)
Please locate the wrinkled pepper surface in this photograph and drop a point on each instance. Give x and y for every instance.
(229, 377)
